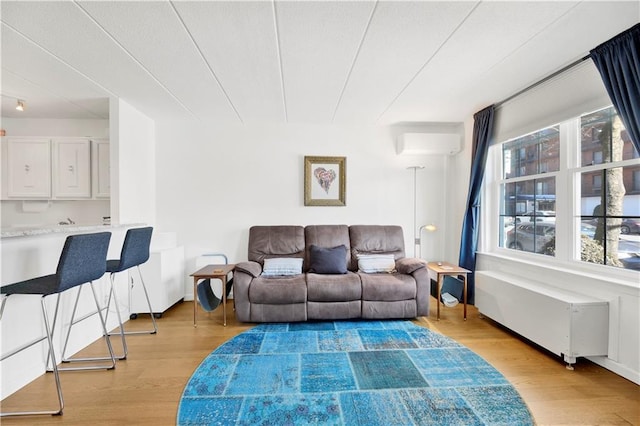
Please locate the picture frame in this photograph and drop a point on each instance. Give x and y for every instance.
(325, 181)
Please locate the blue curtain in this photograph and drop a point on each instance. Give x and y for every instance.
(618, 61)
(482, 134)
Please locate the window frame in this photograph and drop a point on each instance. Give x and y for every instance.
(568, 202)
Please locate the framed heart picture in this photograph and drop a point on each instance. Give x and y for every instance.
(325, 181)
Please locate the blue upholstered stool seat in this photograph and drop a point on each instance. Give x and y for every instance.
(114, 266)
(41, 285)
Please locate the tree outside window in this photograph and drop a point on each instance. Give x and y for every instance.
(609, 206)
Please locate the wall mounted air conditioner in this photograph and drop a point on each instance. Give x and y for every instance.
(429, 144)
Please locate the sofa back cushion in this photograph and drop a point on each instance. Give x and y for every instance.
(326, 236)
(376, 239)
(275, 241)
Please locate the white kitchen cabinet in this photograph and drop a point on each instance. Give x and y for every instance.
(72, 168)
(64, 168)
(101, 173)
(163, 275)
(28, 163)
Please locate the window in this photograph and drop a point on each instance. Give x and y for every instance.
(596, 183)
(528, 196)
(597, 157)
(532, 154)
(605, 172)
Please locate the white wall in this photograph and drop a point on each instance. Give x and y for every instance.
(458, 188)
(133, 167)
(214, 183)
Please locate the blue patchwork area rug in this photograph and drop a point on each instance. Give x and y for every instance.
(348, 373)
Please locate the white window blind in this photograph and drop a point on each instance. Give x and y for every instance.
(574, 92)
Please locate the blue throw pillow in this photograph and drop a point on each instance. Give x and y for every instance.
(328, 260)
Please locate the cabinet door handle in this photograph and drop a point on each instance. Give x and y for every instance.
(71, 168)
(27, 168)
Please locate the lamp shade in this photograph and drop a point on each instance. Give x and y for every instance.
(430, 227)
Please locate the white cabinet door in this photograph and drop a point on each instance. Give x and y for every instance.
(101, 174)
(29, 168)
(72, 170)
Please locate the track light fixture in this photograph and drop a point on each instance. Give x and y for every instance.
(20, 105)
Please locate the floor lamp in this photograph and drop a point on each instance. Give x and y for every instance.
(416, 230)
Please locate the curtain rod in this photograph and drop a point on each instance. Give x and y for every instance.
(544, 80)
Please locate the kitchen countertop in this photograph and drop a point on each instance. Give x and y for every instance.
(28, 231)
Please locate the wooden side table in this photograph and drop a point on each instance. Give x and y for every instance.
(444, 268)
(219, 272)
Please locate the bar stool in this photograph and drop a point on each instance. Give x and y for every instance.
(135, 252)
(83, 260)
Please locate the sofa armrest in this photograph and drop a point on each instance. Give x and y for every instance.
(251, 268)
(408, 265)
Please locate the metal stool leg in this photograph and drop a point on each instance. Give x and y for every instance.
(56, 374)
(146, 295)
(154, 330)
(111, 356)
(114, 294)
(4, 302)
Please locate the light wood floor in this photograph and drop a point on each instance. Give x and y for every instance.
(145, 389)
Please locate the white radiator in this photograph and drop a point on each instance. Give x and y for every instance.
(566, 323)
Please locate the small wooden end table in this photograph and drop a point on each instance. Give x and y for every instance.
(219, 272)
(444, 268)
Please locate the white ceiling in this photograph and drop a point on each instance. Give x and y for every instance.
(362, 62)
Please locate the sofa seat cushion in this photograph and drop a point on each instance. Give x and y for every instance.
(278, 291)
(387, 287)
(333, 288)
